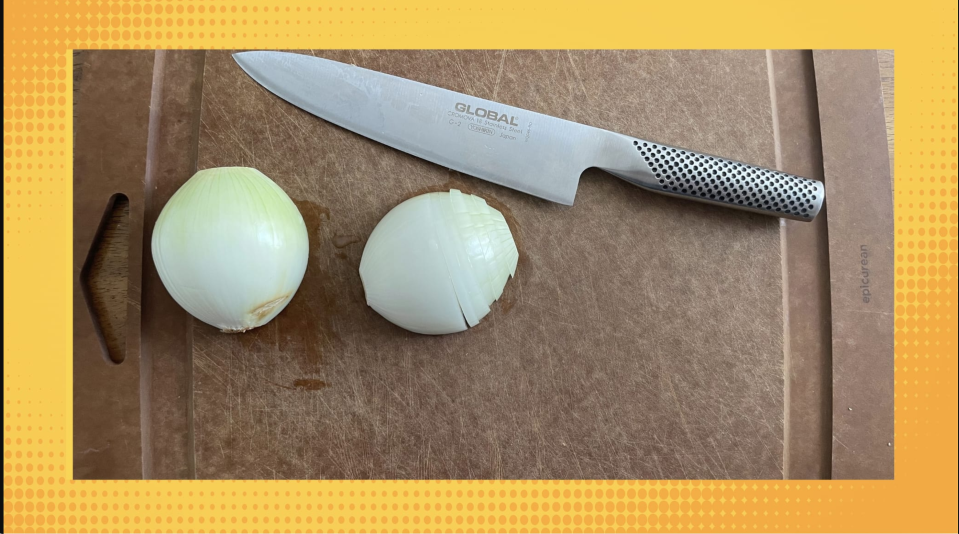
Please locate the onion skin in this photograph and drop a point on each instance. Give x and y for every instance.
(435, 263)
(231, 248)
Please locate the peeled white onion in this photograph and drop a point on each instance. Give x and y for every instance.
(231, 248)
(435, 263)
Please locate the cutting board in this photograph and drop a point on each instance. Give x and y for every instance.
(139, 119)
(640, 338)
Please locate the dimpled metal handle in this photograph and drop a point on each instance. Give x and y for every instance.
(704, 178)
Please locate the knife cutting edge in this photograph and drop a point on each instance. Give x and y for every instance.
(516, 148)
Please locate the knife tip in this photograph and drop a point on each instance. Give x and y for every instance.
(242, 58)
(248, 56)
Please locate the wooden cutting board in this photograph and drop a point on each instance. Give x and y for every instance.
(641, 337)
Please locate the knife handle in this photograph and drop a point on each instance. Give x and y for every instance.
(691, 175)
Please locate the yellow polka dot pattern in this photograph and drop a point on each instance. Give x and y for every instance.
(38, 492)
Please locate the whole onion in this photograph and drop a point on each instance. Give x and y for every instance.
(231, 248)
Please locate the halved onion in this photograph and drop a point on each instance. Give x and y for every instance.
(436, 262)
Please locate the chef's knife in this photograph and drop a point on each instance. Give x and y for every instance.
(516, 148)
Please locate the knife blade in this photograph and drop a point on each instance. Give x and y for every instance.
(517, 148)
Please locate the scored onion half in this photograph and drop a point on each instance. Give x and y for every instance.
(436, 262)
(231, 248)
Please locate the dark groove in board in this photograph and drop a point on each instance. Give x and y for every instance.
(168, 329)
(806, 265)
